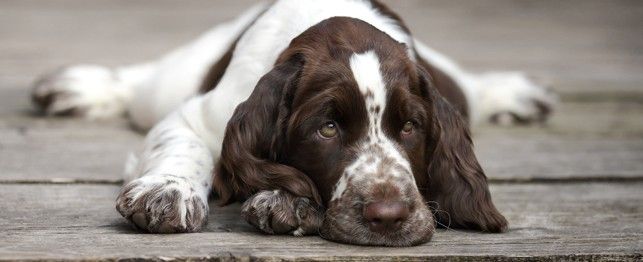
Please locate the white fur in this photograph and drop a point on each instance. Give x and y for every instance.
(260, 46)
(173, 152)
(95, 91)
(181, 72)
(510, 92)
(194, 132)
(202, 120)
(368, 168)
(367, 74)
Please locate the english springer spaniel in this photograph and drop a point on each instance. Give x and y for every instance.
(325, 117)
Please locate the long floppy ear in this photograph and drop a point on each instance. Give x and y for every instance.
(251, 146)
(457, 184)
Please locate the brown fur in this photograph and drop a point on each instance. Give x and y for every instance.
(457, 184)
(217, 70)
(445, 84)
(268, 144)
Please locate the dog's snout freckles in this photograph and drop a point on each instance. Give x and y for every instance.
(376, 202)
(378, 211)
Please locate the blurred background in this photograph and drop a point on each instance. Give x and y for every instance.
(582, 45)
(577, 179)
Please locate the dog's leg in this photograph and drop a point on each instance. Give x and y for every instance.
(148, 91)
(172, 175)
(510, 98)
(90, 91)
(182, 72)
(500, 97)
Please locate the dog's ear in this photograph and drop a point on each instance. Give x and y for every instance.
(457, 188)
(253, 141)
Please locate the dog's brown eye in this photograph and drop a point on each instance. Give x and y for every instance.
(408, 127)
(328, 130)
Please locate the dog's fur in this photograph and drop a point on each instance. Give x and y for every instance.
(263, 91)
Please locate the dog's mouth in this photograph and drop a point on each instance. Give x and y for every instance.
(354, 223)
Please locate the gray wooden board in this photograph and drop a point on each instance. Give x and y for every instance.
(65, 151)
(547, 157)
(583, 140)
(583, 120)
(600, 220)
(588, 49)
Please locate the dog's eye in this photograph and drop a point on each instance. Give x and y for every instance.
(408, 128)
(328, 130)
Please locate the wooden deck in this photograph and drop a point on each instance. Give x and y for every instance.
(572, 189)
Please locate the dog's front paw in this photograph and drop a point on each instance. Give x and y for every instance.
(163, 204)
(279, 212)
(88, 91)
(509, 98)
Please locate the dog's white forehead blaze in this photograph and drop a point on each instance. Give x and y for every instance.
(376, 147)
(367, 74)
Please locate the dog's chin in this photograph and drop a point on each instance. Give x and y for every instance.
(347, 227)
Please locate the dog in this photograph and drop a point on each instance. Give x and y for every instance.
(323, 117)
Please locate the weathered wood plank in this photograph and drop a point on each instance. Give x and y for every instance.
(598, 140)
(589, 50)
(599, 220)
(65, 151)
(591, 119)
(548, 157)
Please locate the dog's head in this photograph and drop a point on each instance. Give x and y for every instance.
(348, 119)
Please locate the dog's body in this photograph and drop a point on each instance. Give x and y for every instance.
(271, 57)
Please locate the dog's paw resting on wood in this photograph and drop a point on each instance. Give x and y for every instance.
(325, 117)
(163, 204)
(279, 212)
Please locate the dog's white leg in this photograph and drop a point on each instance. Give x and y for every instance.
(508, 98)
(500, 97)
(172, 175)
(182, 72)
(89, 91)
(177, 158)
(149, 91)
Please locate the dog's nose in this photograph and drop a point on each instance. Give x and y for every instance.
(385, 216)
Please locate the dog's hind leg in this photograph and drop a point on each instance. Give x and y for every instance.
(505, 98)
(89, 91)
(147, 91)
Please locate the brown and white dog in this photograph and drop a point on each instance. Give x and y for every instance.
(325, 117)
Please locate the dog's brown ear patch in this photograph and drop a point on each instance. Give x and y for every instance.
(248, 161)
(457, 187)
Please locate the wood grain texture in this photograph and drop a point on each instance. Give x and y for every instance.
(600, 220)
(588, 50)
(55, 151)
(548, 157)
(597, 141)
